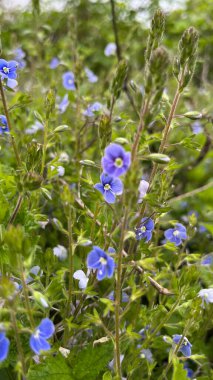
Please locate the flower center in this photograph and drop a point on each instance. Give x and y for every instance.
(143, 229)
(6, 70)
(176, 233)
(107, 187)
(37, 334)
(103, 261)
(70, 81)
(119, 162)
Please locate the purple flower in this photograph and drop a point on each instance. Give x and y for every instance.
(207, 260)
(116, 160)
(206, 295)
(69, 81)
(109, 187)
(144, 231)
(98, 259)
(177, 234)
(95, 107)
(63, 104)
(38, 340)
(92, 78)
(3, 124)
(185, 347)
(110, 49)
(34, 128)
(54, 63)
(4, 346)
(19, 57)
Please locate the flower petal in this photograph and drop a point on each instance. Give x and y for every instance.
(117, 186)
(4, 347)
(46, 328)
(109, 196)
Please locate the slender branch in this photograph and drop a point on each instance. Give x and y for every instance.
(16, 209)
(26, 298)
(140, 129)
(191, 193)
(70, 263)
(18, 342)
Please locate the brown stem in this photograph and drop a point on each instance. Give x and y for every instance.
(16, 209)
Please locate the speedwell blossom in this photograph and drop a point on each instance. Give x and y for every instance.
(63, 104)
(206, 295)
(19, 57)
(69, 81)
(144, 231)
(3, 124)
(4, 346)
(98, 259)
(8, 71)
(92, 108)
(60, 251)
(185, 347)
(110, 49)
(143, 188)
(83, 279)
(92, 78)
(116, 160)
(54, 63)
(177, 234)
(38, 340)
(207, 260)
(109, 187)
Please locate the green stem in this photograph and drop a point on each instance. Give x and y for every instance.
(26, 297)
(140, 129)
(16, 209)
(44, 147)
(18, 342)
(15, 148)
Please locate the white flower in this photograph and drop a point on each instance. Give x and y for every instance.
(206, 295)
(60, 251)
(83, 279)
(64, 157)
(110, 49)
(143, 187)
(34, 128)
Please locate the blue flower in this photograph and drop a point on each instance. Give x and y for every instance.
(63, 104)
(147, 354)
(206, 295)
(207, 260)
(124, 297)
(95, 107)
(109, 187)
(185, 347)
(189, 371)
(197, 127)
(92, 78)
(54, 63)
(98, 259)
(34, 128)
(177, 234)
(69, 81)
(19, 57)
(3, 124)
(202, 229)
(116, 160)
(8, 71)
(110, 49)
(4, 346)
(144, 231)
(38, 340)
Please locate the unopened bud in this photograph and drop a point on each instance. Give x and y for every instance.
(119, 78)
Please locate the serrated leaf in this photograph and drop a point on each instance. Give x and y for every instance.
(52, 368)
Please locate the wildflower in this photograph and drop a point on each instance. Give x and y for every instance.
(64, 157)
(54, 63)
(110, 49)
(147, 354)
(34, 271)
(3, 124)
(38, 340)
(185, 347)
(112, 362)
(124, 297)
(189, 371)
(207, 260)
(34, 128)
(69, 81)
(143, 187)
(109, 187)
(202, 229)
(144, 231)
(60, 251)
(60, 170)
(197, 127)
(8, 71)
(116, 160)
(98, 259)
(111, 250)
(83, 279)
(92, 78)
(177, 234)
(4, 346)
(206, 295)
(95, 107)
(63, 104)
(19, 57)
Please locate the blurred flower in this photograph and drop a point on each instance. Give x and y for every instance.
(63, 104)
(19, 57)
(144, 231)
(206, 295)
(124, 297)
(109, 187)
(34, 128)
(110, 49)
(69, 81)
(92, 78)
(185, 347)
(98, 259)
(54, 63)
(190, 373)
(64, 157)
(197, 127)
(207, 260)
(202, 229)
(147, 354)
(60, 251)
(35, 271)
(95, 107)
(38, 340)
(116, 160)
(142, 332)
(8, 71)
(143, 187)
(4, 346)
(60, 170)
(43, 223)
(111, 363)
(83, 279)
(111, 250)
(3, 124)
(177, 234)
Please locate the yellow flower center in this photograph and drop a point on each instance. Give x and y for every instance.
(103, 261)
(119, 162)
(6, 70)
(107, 187)
(176, 233)
(143, 229)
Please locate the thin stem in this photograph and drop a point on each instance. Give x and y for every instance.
(118, 300)
(118, 48)
(140, 129)
(18, 342)
(16, 209)
(15, 148)
(70, 263)
(26, 298)
(44, 147)
(191, 193)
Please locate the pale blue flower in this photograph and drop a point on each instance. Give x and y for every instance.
(110, 49)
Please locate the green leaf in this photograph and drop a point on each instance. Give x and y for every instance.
(107, 376)
(158, 157)
(179, 372)
(61, 128)
(52, 368)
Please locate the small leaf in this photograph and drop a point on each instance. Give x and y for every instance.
(38, 117)
(158, 157)
(193, 115)
(61, 128)
(179, 372)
